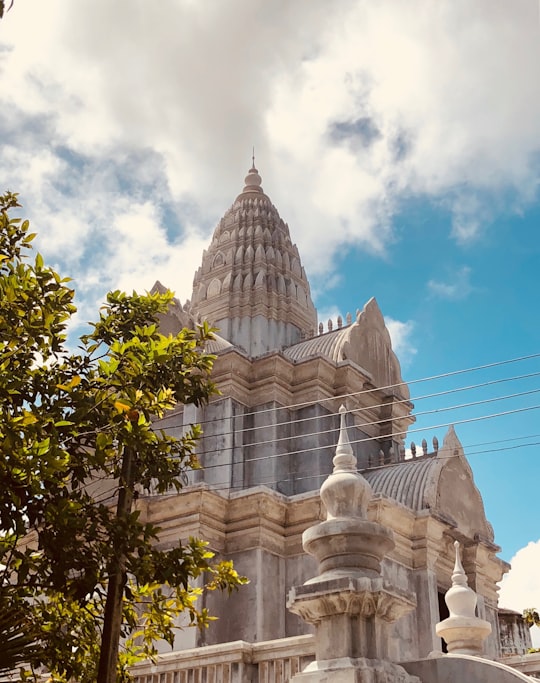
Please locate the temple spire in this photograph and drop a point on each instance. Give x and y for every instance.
(253, 180)
(251, 284)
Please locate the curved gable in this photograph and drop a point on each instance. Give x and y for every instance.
(369, 345)
(443, 483)
(456, 494)
(366, 343)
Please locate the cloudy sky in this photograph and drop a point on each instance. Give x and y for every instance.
(399, 140)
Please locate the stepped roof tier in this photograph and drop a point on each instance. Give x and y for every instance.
(251, 283)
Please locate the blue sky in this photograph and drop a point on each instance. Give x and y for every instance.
(400, 141)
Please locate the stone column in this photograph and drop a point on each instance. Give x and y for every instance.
(348, 601)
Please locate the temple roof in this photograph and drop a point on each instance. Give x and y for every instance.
(407, 482)
(331, 345)
(435, 482)
(366, 343)
(250, 269)
(217, 344)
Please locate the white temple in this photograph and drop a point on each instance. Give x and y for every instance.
(269, 441)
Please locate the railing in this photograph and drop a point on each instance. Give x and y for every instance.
(273, 661)
(528, 664)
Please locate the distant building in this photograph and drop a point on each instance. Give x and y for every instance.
(268, 444)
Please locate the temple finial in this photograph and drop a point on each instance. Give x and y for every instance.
(459, 578)
(253, 179)
(344, 451)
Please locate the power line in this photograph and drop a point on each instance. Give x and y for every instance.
(377, 438)
(224, 486)
(365, 424)
(221, 486)
(304, 404)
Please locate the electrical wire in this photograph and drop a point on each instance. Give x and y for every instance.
(105, 495)
(224, 486)
(444, 375)
(364, 408)
(364, 424)
(377, 438)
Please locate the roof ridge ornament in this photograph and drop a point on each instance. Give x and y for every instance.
(253, 180)
(459, 578)
(344, 459)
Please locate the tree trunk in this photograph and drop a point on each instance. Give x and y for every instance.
(112, 623)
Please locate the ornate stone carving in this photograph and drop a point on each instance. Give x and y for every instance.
(356, 597)
(260, 241)
(348, 601)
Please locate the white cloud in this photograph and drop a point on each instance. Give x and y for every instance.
(401, 334)
(520, 588)
(457, 287)
(111, 104)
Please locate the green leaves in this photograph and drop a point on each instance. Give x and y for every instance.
(531, 617)
(66, 421)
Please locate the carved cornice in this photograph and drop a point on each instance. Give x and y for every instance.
(356, 597)
(273, 377)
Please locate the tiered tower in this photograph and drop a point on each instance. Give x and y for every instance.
(251, 283)
(267, 448)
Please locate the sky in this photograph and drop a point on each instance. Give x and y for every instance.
(399, 140)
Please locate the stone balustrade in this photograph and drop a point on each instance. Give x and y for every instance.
(274, 661)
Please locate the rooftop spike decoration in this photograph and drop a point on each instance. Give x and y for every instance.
(344, 458)
(459, 578)
(463, 631)
(253, 181)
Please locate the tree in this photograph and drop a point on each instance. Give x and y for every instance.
(77, 449)
(531, 617)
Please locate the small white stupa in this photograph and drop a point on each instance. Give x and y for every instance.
(463, 632)
(348, 602)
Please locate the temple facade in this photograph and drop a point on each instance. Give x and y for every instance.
(269, 442)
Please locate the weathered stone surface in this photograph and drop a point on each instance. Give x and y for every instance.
(354, 670)
(469, 669)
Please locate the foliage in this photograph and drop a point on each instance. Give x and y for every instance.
(17, 641)
(531, 617)
(66, 422)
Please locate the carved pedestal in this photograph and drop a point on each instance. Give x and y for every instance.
(351, 616)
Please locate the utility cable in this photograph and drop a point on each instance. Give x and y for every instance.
(372, 423)
(331, 415)
(385, 436)
(414, 399)
(224, 486)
